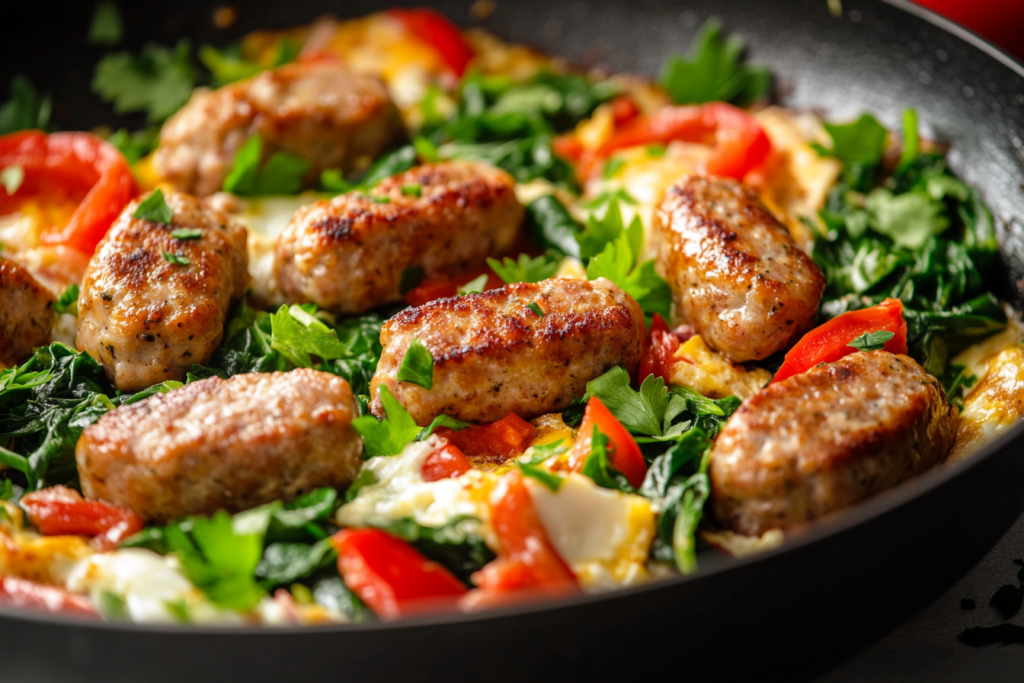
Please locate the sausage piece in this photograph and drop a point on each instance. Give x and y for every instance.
(147, 319)
(735, 273)
(223, 444)
(322, 113)
(26, 313)
(348, 254)
(493, 355)
(817, 442)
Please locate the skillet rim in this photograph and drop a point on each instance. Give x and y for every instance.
(817, 531)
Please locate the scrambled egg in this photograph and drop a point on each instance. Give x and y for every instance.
(603, 535)
(698, 366)
(28, 555)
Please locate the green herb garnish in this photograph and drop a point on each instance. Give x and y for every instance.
(154, 208)
(417, 365)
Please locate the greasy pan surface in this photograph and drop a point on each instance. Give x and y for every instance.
(785, 615)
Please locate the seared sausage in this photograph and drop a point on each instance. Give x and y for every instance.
(817, 442)
(493, 355)
(146, 319)
(735, 273)
(322, 113)
(26, 313)
(348, 254)
(223, 444)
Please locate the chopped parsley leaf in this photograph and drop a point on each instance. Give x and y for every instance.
(106, 27)
(474, 286)
(26, 109)
(176, 259)
(536, 309)
(390, 435)
(154, 208)
(448, 421)
(525, 268)
(158, 81)
(417, 365)
(68, 301)
(412, 190)
(552, 481)
(871, 341)
(281, 174)
(186, 233)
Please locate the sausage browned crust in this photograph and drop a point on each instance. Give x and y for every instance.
(493, 355)
(836, 434)
(223, 444)
(146, 319)
(735, 273)
(348, 254)
(322, 113)
(26, 313)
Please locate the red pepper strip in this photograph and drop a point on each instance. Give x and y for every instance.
(829, 342)
(740, 144)
(59, 510)
(444, 286)
(53, 599)
(77, 165)
(496, 442)
(446, 463)
(391, 576)
(623, 451)
(438, 32)
(659, 350)
(527, 560)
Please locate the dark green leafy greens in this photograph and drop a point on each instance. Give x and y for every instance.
(67, 302)
(921, 236)
(457, 545)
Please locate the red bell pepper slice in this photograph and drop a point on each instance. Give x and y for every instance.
(527, 560)
(438, 32)
(53, 599)
(659, 350)
(623, 451)
(497, 441)
(59, 510)
(445, 463)
(391, 576)
(70, 165)
(443, 286)
(740, 144)
(830, 342)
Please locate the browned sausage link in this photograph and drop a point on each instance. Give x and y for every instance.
(348, 254)
(223, 444)
(493, 355)
(148, 319)
(26, 313)
(734, 271)
(322, 113)
(832, 436)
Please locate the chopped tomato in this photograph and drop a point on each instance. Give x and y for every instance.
(497, 441)
(739, 142)
(446, 463)
(53, 599)
(59, 510)
(623, 451)
(391, 576)
(830, 342)
(527, 560)
(77, 166)
(659, 350)
(624, 109)
(438, 32)
(443, 286)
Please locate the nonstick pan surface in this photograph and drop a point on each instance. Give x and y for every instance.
(786, 615)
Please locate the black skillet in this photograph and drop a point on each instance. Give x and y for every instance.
(787, 615)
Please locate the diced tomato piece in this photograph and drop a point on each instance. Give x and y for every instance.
(830, 342)
(391, 576)
(624, 109)
(76, 165)
(446, 463)
(54, 599)
(567, 146)
(59, 510)
(438, 32)
(527, 560)
(659, 350)
(623, 452)
(445, 286)
(497, 441)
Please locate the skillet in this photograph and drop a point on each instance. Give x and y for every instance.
(789, 614)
